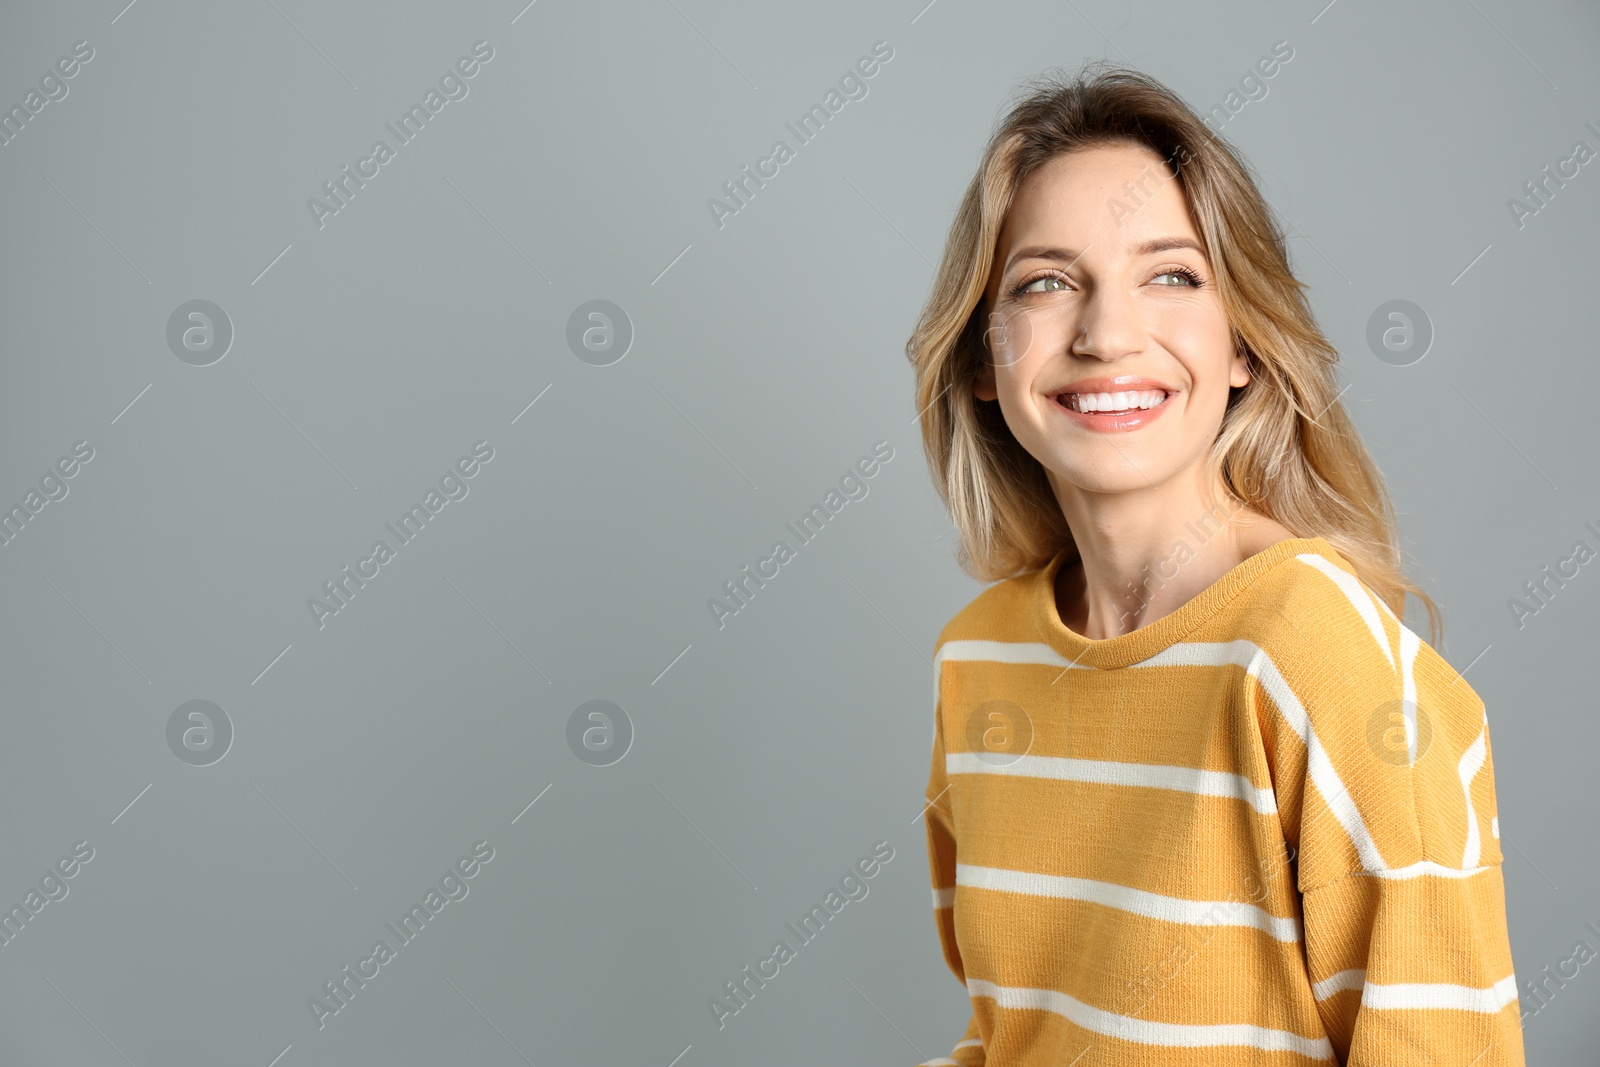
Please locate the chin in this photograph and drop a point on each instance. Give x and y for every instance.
(1101, 480)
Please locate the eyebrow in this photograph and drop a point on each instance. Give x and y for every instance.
(1068, 255)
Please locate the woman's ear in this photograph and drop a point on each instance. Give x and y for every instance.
(983, 385)
(1239, 373)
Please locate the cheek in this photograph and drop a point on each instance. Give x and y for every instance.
(1009, 338)
(1205, 351)
(1037, 349)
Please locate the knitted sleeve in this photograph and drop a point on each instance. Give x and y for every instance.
(1414, 970)
(1386, 791)
(940, 820)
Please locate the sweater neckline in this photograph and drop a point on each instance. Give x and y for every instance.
(1137, 645)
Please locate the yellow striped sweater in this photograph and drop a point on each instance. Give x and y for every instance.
(1259, 830)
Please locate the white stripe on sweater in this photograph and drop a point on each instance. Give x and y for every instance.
(1356, 594)
(1471, 763)
(1126, 898)
(1318, 766)
(1004, 652)
(1145, 1031)
(1409, 643)
(1441, 995)
(1354, 978)
(1258, 663)
(1110, 772)
(1423, 868)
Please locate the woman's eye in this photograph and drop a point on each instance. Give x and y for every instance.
(1047, 280)
(1186, 278)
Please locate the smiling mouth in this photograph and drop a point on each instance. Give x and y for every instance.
(1117, 403)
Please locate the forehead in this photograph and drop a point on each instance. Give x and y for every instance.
(1109, 195)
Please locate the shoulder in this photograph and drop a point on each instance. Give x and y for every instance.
(1315, 588)
(1313, 614)
(1337, 648)
(1391, 741)
(1001, 612)
(975, 650)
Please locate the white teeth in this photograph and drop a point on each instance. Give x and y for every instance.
(1087, 402)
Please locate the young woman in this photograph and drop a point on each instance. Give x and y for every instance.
(1198, 795)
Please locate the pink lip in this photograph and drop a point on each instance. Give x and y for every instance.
(1122, 383)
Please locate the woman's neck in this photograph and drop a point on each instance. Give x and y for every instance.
(1125, 578)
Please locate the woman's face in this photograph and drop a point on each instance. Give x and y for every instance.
(1078, 256)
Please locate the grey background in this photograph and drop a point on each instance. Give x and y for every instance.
(371, 353)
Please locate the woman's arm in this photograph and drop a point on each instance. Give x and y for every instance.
(1385, 780)
(1415, 970)
(968, 1050)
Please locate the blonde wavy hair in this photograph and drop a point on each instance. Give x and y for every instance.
(1287, 448)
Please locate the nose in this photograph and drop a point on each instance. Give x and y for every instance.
(1109, 325)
